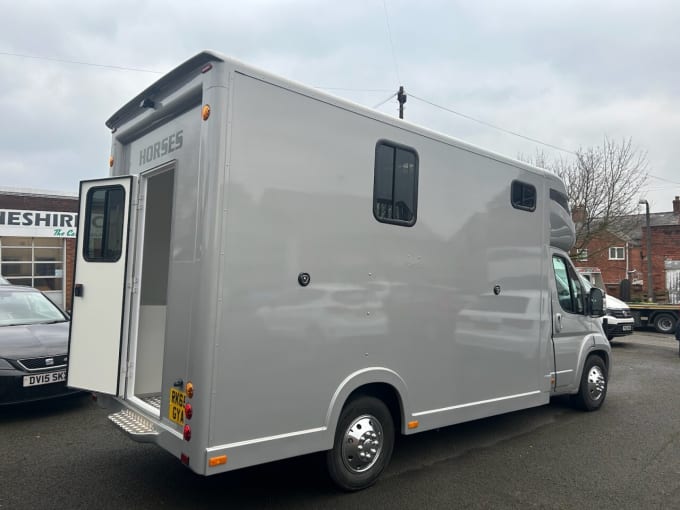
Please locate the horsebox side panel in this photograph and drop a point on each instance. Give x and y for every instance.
(416, 301)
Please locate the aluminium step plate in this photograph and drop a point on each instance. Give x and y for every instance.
(139, 428)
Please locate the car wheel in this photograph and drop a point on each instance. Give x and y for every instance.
(363, 444)
(593, 388)
(664, 323)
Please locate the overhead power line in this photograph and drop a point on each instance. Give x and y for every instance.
(140, 70)
(351, 89)
(488, 124)
(383, 102)
(460, 114)
(389, 35)
(663, 179)
(76, 62)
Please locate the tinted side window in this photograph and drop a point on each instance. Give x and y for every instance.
(570, 292)
(104, 215)
(523, 196)
(395, 184)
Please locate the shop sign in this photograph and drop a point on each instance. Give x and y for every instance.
(22, 223)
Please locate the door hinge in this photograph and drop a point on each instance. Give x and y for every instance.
(138, 201)
(134, 285)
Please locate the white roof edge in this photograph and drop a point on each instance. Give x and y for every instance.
(38, 192)
(267, 76)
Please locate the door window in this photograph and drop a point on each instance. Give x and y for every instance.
(104, 215)
(570, 292)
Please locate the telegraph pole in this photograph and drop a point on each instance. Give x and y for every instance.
(401, 97)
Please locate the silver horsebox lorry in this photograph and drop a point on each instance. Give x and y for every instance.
(271, 271)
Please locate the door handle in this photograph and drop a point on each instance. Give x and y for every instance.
(78, 290)
(558, 322)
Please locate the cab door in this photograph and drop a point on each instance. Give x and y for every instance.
(96, 335)
(571, 325)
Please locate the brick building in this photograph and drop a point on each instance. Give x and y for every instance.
(618, 254)
(37, 240)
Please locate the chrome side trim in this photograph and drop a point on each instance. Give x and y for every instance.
(265, 439)
(470, 404)
(562, 372)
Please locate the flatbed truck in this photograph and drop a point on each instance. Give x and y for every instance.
(663, 318)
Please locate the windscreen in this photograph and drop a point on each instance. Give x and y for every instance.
(21, 307)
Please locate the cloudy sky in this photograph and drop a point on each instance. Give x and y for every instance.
(566, 73)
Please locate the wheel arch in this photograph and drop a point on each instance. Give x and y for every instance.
(602, 354)
(592, 345)
(378, 382)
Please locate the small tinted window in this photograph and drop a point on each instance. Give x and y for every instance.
(395, 185)
(560, 198)
(523, 196)
(104, 215)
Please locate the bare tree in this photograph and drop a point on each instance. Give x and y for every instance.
(603, 185)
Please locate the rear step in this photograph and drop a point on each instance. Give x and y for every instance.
(139, 428)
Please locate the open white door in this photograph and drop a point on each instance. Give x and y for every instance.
(99, 290)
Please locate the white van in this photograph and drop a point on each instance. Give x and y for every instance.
(618, 319)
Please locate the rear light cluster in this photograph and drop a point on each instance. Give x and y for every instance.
(218, 460)
(188, 411)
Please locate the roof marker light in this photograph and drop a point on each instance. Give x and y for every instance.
(206, 68)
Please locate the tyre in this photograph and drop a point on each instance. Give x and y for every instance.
(593, 388)
(664, 323)
(364, 440)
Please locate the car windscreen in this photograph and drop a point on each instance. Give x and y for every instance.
(21, 307)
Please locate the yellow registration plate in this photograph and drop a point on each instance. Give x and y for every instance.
(176, 409)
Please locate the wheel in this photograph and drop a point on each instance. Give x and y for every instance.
(363, 444)
(664, 323)
(593, 388)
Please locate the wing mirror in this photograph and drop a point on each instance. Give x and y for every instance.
(596, 302)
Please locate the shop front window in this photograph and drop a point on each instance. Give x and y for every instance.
(33, 262)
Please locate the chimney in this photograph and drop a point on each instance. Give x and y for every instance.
(578, 213)
(676, 205)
